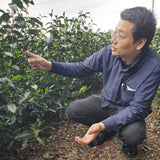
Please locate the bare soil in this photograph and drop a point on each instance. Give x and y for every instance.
(60, 144)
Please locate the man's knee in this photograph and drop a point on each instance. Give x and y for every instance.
(73, 109)
(133, 134)
(70, 109)
(81, 107)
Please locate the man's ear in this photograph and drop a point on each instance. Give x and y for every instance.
(140, 43)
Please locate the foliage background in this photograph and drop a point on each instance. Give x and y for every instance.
(29, 99)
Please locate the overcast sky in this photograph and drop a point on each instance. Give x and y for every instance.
(105, 13)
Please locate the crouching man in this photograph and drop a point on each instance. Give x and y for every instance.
(131, 76)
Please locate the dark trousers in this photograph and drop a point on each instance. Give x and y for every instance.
(89, 111)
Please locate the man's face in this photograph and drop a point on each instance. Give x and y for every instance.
(122, 42)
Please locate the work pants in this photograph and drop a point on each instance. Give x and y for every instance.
(89, 111)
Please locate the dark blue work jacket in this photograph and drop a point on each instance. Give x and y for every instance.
(132, 88)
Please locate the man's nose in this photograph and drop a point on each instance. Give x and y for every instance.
(113, 40)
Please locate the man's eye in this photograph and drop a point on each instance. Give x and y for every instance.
(121, 37)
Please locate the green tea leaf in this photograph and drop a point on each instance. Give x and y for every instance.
(34, 86)
(15, 67)
(4, 79)
(10, 144)
(23, 135)
(17, 76)
(18, 3)
(40, 141)
(13, 119)
(13, 7)
(36, 20)
(2, 11)
(12, 107)
(8, 54)
(5, 17)
(24, 98)
(13, 46)
(83, 89)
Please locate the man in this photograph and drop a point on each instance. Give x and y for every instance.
(131, 76)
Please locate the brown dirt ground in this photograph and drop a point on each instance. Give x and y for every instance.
(60, 144)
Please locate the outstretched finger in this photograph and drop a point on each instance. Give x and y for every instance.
(30, 54)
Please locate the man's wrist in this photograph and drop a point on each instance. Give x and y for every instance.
(102, 126)
(49, 66)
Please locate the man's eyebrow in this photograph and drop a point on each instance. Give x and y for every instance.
(119, 30)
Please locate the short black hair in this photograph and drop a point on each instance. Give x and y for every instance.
(144, 23)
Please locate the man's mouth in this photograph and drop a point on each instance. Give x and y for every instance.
(113, 48)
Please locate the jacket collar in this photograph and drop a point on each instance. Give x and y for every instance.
(136, 63)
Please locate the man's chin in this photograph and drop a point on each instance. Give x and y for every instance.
(114, 53)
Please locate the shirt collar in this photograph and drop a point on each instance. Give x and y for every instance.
(135, 63)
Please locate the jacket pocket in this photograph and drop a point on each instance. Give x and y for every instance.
(127, 94)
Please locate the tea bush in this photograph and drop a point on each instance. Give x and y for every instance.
(156, 46)
(26, 96)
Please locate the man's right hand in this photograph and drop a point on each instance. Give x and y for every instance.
(38, 62)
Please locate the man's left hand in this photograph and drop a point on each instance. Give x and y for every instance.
(91, 134)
